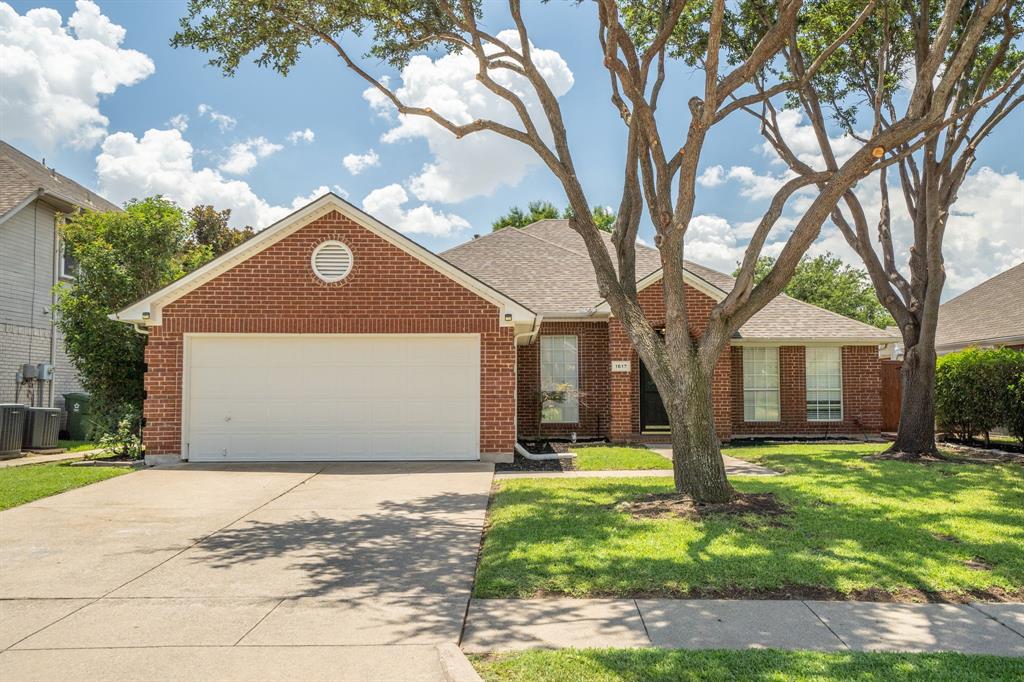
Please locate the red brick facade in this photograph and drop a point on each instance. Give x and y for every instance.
(592, 342)
(616, 413)
(275, 291)
(391, 292)
(862, 411)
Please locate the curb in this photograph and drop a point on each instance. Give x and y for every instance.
(454, 664)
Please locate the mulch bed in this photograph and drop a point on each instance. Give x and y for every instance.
(676, 505)
(959, 454)
(979, 445)
(520, 463)
(543, 447)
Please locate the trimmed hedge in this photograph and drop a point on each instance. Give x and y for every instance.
(977, 390)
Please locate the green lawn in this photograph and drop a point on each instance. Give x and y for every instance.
(603, 457)
(661, 665)
(19, 485)
(77, 445)
(854, 525)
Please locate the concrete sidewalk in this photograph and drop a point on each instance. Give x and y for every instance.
(510, 625)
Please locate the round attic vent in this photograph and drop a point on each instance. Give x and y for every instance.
(332, 261)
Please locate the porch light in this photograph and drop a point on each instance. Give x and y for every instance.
(508, 317)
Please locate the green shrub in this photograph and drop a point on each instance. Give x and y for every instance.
(975, 390)
(124, 440)
(1015, 410)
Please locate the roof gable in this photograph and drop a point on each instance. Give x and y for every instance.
(148, 310)
(22, 179)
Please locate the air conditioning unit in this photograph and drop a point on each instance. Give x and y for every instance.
(12, 424)
(42, 425)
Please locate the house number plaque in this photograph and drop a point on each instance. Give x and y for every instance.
(620, 365)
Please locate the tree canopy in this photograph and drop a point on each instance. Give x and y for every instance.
(829, 283)
(210, 228)
(603, 216)
(122, 256)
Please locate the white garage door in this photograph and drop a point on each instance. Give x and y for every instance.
(318, 397)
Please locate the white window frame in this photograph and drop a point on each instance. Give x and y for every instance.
(757, 361)
(813, 367)
(64, 272)
(556, 357)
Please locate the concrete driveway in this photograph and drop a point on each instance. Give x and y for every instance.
(279, 571)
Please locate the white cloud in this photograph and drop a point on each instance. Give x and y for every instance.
(713, 176)
(223, 121)
(477, 164)
(53, 75)
(357, 163)
(387, 205)
(243, 156)
(802, 140)
(161, 162)
(179, 122)
(297, 136)
(757, 185)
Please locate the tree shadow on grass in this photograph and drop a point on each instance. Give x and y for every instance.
(855, 525)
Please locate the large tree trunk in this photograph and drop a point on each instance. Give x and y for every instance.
(696, 456)
(916, 436)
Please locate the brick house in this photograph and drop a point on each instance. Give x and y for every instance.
(329, 336)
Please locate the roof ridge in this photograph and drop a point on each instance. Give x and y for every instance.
(479, 238)
(555, 244)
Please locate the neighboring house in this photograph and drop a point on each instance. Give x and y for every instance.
(330, 336)
(894, 349)
(31, 263)
(989, 315)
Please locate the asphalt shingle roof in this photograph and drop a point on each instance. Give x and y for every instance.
(991, 311)
(21, 176)
(545, 266)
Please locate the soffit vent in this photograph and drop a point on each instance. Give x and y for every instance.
(332, 261)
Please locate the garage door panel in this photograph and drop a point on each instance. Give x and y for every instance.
(333, 397)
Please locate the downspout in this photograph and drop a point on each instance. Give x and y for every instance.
(534, 330)
(53, 311)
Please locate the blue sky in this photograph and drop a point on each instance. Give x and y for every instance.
(253, 167)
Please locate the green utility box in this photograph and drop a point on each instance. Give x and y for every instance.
(77, 405)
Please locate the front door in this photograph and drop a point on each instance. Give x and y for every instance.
(653, 418)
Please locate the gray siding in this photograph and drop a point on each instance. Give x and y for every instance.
(26, 271)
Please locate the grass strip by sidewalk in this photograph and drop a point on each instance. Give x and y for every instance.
(612, 458)
(853, 526)
(19, 485)
(761, 665)
(77, 445)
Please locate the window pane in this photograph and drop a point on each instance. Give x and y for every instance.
(760, 384)
(559, 371)
(824, 368)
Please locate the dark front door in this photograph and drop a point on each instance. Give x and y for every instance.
(653, 417)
